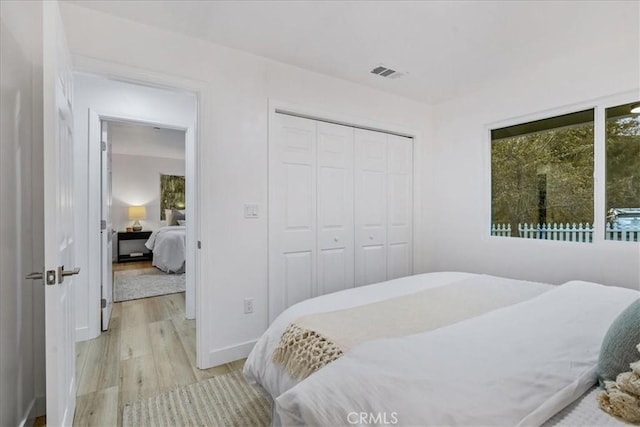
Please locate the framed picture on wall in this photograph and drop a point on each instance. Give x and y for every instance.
(171, 193)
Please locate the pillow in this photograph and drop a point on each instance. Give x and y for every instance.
(175, 216)
(182, 222)
(619, 345)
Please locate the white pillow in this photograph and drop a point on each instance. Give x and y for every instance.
(182, 222)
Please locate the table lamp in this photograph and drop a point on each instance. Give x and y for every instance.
(137, 213)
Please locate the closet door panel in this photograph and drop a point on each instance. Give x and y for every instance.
(292, 212)
(374, 264)
(335, 208)
(370, 206)
(400, 205)
(334, 271)
(399, 260)
(298, 275)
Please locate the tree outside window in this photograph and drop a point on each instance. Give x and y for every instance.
(542, 178)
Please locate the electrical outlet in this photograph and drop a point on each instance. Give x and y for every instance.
(248, 306)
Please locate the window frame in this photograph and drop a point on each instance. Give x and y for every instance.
(599, 105)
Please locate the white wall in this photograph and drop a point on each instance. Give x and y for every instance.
(136, 181)
(110, 98)
(233, 119)
(22, 384)
(460, 216)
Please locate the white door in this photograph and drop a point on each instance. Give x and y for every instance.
(106, 228)
(335, 207)
(370, 207)
(58, 221)
(399, 206)
(292, 212)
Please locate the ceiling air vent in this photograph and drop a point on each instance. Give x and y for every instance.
(383, 71)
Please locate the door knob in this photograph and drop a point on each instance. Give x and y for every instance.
(62, 273)
(70, 272)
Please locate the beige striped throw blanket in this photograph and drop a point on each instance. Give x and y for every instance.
(311, 342)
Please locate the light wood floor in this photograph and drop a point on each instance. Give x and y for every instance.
(150, 348)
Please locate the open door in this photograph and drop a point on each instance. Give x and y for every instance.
(106, 228)
(59, 255)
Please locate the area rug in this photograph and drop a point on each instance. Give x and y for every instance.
(145, 282)
(225, 400)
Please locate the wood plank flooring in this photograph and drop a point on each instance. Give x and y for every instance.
(149, 349)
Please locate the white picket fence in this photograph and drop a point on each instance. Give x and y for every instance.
(567, 232)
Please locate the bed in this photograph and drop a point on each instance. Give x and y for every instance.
(526, 354)
(169, 248)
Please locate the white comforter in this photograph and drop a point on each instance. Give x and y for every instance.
(514, 366)
(169, 248)
(259, 367)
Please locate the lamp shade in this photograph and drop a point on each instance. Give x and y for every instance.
(137, 212)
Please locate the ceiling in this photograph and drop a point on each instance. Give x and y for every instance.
(142, 140)
(448, 48)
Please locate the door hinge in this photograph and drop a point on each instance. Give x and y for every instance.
(103, 224)
(104, 146)
(103, 303)
(199, 244)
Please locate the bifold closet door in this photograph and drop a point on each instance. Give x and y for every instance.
(292, 212)
(399, 206)
(311, 235)
(370, 207)
(340, 205)
(383, 206)
(335, 208)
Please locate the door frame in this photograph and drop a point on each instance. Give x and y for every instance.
(193, 136)
(276, 106)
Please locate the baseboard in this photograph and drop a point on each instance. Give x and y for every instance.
(84, 334)
(229, 354)
(40, 407)
(29, 416)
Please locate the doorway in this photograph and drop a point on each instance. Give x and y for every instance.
(101, 100)
(144, 210)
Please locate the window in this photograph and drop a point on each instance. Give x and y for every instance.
(542, 178)
(623, 173)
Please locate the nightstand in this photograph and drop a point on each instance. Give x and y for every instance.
(131, 246)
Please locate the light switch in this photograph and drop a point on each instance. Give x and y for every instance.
(251, 211)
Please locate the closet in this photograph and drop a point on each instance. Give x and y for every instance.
(340, 208)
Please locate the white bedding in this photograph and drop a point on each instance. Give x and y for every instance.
(515, 366)
(259, 367)
(169, 248)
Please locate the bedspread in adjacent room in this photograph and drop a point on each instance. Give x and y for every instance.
(169, 248)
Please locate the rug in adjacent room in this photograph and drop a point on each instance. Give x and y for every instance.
(225, 400)
(145, 282)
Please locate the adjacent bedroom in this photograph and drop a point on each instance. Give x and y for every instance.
(148, 211)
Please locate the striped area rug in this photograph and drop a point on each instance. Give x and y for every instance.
(225, 400)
